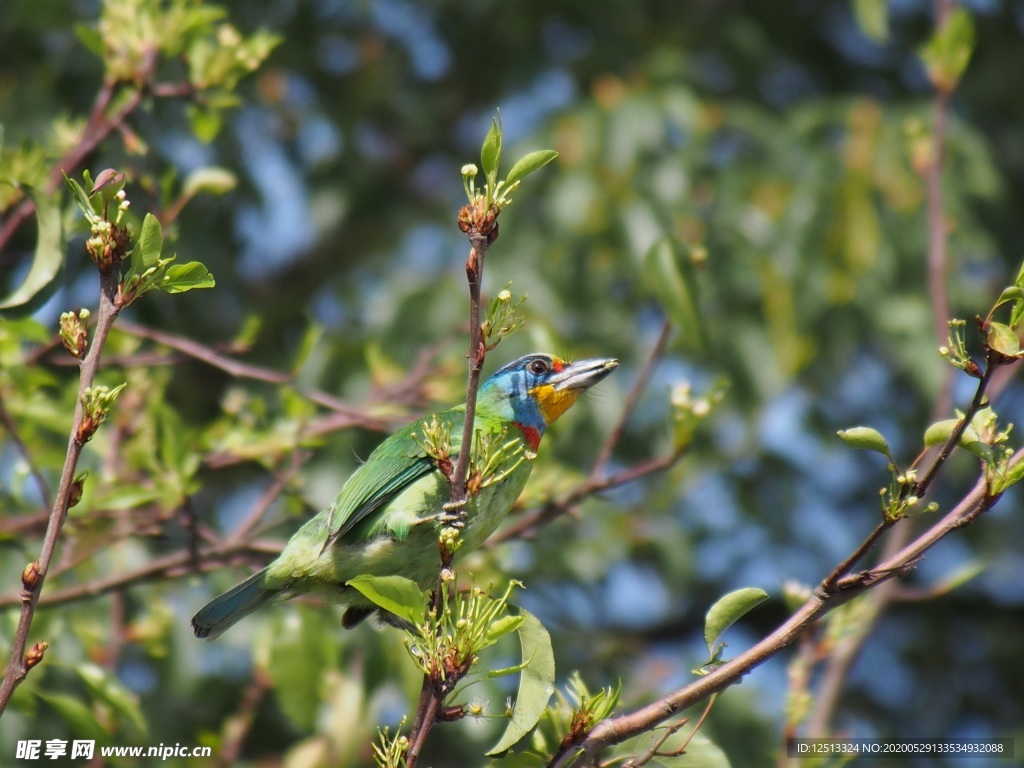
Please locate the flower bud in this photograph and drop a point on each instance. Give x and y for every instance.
(35, 654)
(30, 576)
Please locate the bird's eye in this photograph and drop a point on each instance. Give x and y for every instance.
(539, 367)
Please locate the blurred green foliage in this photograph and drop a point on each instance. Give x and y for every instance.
(751, 171)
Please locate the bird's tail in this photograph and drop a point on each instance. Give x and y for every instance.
(238, 602)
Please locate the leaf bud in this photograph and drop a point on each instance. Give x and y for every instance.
(35, 654)
(30, 576)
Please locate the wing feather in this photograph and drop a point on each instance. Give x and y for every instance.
(393, 466)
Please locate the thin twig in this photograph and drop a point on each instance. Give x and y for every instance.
(430, 700)
(280, 481)
(170, 566)
(540, 516)
(477, 353)
(639, 386)
(17, 668)
(99, 126)
(846, 650)
(239, 724)
(618, 729)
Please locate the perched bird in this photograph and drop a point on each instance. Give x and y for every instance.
(386, 518)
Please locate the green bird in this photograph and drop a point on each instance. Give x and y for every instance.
(386, 518)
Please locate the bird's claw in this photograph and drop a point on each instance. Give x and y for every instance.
(454, 514)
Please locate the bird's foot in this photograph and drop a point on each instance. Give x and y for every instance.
(454, 514)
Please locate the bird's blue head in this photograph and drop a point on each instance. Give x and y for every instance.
(534, 390)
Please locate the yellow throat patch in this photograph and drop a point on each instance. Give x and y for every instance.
(553, 403)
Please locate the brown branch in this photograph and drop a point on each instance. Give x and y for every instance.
(17, 666)
(846, 650)
(482, 229)
(259, 509)
(477, 353)
(239, 724)
(99, 126)
(822, 601)
(605, 454)
(554, 509)
(170, 566)
(234, 368)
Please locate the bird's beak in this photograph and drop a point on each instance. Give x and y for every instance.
(582, 374)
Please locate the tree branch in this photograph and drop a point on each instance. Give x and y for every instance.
(605, 454)
(823, 600)
(35, 574)
(846, 650)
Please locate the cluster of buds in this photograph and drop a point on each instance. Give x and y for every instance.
(108, 240)
(448, 542)
(96, 405)
(479, 219)
(108, 244)
(689, 411)
(437, 444)
(74, 334)
(955, 351)
(900, 498)
(503, 318)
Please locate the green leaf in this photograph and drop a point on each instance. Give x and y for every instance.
(536, 683)
(108, 689)
(125, 497)
(700, 751)
(206, 122)
(501, 627)
(78, 716)
(947, 54)
(47, 261)
(490, 152)
(728, 610)
(1003, 339)
(211, 180)
(865, 438)
(873, 18)
(960, 576)
(673, 280)
(1014, 293)
(1010, 293)
(527, 164)
(150, 244)
(939, 432)
(395, 594)
(90, 37)
(80, 197)
(180, 278)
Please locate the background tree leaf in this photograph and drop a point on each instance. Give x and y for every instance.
(536, 681)
(47, 261)
(729, 609)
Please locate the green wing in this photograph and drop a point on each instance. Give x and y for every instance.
(393, 466)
